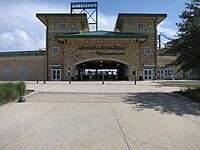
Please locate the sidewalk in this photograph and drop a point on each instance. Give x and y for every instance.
(89, 116)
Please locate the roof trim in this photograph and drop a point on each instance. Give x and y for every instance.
(141, 15)
(42, 16)
(59, 15)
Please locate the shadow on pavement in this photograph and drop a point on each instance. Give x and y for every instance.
(164, 103)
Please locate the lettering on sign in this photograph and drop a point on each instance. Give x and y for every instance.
(101, 47)
(109, 53)
(84, 5)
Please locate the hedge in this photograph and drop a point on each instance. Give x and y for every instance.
(11, 91)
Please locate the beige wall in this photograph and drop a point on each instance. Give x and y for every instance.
(35, 65)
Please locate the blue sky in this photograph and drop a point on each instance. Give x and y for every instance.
(21, 30)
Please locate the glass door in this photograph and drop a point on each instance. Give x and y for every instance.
(147, 74)
(160, 74)
(56, 74)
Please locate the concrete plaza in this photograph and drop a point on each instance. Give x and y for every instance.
(89, 116)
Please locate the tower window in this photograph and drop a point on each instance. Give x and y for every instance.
(147, 50)
(62, 26)
(55, 50)
(140, 26)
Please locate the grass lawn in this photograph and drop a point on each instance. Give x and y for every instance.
(183, 84)
(192, 90)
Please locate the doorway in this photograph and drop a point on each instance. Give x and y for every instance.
(147, 74)
(56, 74)
(97, 69)
(161, 74)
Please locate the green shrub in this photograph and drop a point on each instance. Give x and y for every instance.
(10, 91)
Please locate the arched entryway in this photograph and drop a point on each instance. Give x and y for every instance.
(96, 69)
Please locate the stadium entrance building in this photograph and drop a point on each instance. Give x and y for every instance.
(126, 53)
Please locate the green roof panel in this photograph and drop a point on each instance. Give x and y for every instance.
(101, 34)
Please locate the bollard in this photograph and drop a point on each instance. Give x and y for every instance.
(102, 78)
(70, 79)
(135, 80)
(37, 79)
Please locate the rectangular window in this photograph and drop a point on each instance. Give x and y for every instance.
(23, 71)
(140, 26)
(168, 72)
(62, 26)
(55, 50)
(186, 75)
(6, 72)
(147, 50)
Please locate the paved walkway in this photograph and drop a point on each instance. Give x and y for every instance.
(89, 116)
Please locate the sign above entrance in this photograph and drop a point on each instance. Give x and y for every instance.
(101, 47)
(109, 53)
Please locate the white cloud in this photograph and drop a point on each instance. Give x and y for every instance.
(19, 40)
(164, 28)
(19, 28)
(107, 22)
(170, 33)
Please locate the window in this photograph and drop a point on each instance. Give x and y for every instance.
(147, 50)
(6, 72)
(147, 74)
(186, 75)
(160, 74)
(140, 26)
(56, 74)
(23, 71)
(62, 26)
(55, 50)
(168, 72)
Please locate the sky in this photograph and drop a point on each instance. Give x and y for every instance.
(21, 30)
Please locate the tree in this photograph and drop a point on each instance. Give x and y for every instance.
(187, 46)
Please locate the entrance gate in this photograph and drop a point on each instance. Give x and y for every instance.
(98, 69)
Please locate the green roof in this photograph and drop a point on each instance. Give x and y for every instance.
(101, 34)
